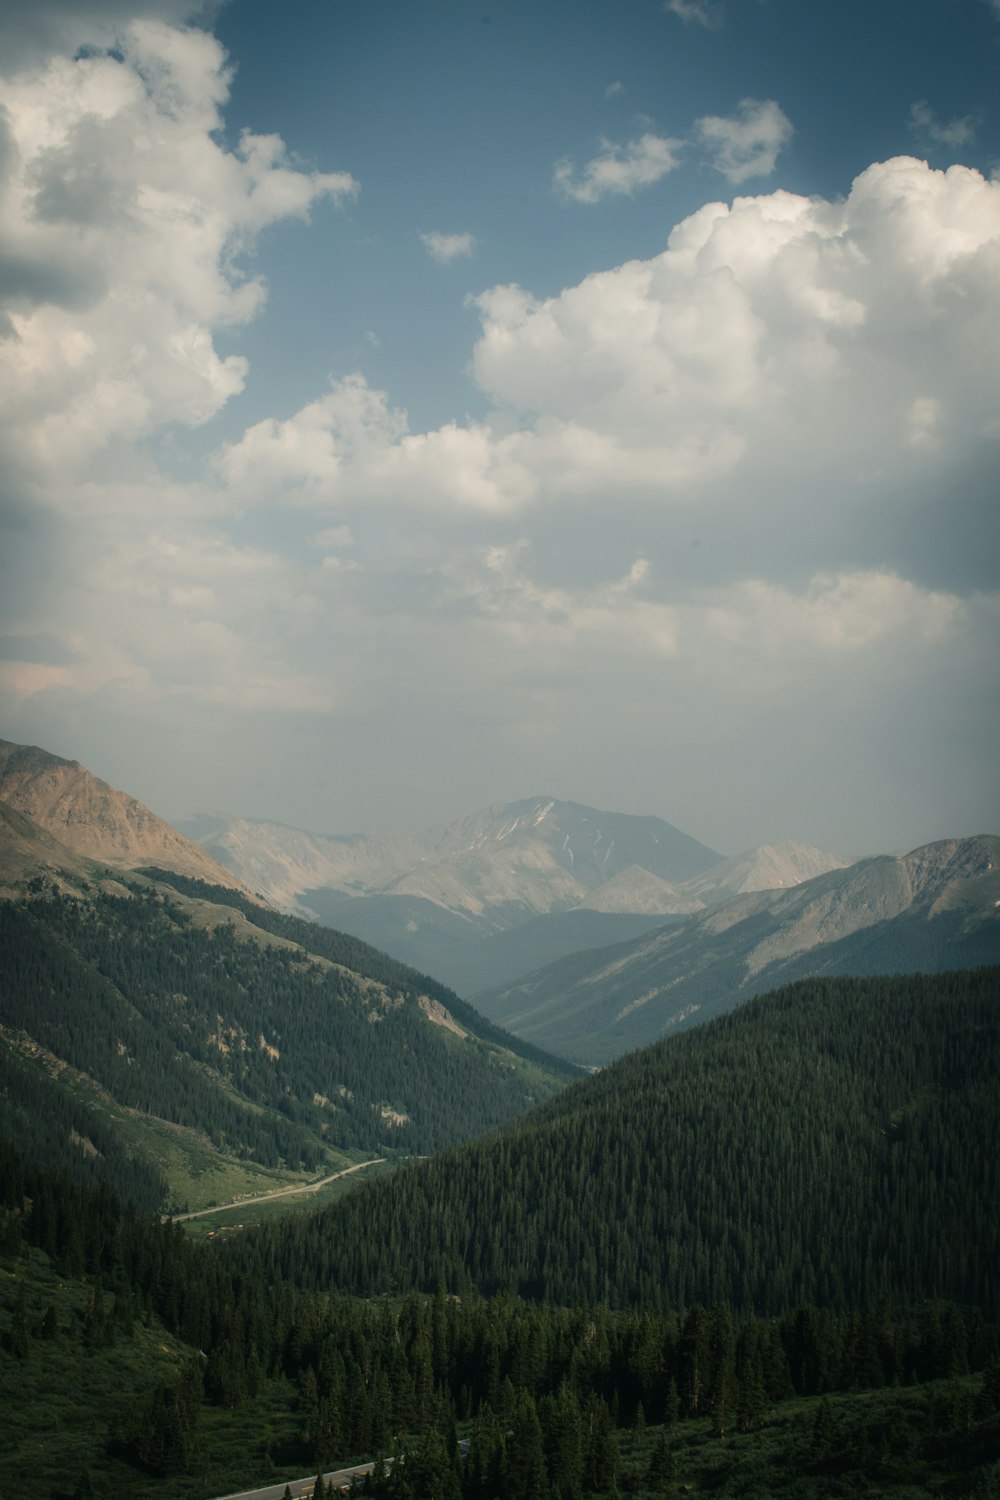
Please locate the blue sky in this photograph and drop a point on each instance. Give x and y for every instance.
(414, 405)
(452, 116)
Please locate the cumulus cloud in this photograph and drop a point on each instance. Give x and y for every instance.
(829, 346)
(124, 231)
(351, 447)
(609, 617)
(127, 231)
(445, 248)
(747, 143)
(833, 614)
(785, 375)
(925, 124)
(29, 33)
(617, 169)
(614, 89)
(707, 13)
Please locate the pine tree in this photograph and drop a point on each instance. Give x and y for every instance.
(20, 1333)
(823, 1431)
(661, 1475)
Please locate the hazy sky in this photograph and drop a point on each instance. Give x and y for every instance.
(412, 404)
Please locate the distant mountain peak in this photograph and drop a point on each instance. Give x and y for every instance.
(532, 856)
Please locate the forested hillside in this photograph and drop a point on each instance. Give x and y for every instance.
(828, 1144)
(133, 1361)
(267, 1039)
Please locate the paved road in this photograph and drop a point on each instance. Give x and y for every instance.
(341, 1478)
(285, 1192)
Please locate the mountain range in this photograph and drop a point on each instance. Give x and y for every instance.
(486, 898)
(933, 909)
(504, 862)
(775, 1234)
(584, 932)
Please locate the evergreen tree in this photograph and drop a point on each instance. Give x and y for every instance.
(661, 1474)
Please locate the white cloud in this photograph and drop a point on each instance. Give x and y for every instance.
(618, 169)
(924, 123)
(746, 144)
(707, 13)
(833, 614)
(824, 345)
(445, 248)
(781, 363)
(33, 32)
(614, 89)
(124, 224)
(611, 617)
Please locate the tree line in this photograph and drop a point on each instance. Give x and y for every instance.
(824, 1145)
(546, 1389)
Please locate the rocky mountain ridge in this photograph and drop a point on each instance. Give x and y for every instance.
(533, 856)
(94, 820)
(935, 908)
(456, 900)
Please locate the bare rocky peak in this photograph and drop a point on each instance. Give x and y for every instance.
(932, 865)
(636, 890)
(769, 867)
(93, 819)
(539, 854)
(840, 902)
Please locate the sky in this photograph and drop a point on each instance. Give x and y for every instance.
(415, 404)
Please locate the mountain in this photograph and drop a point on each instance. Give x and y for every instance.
(769, 867)
(636, 890)
(932, 909)
(225, 1044)
(183, 1042)
(508, 861)
(765, 868)
(88, 816)
(483, 900)
(29, 852)
(442, 899)
(823, 1144)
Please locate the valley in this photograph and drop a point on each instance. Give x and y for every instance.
(274, 1202)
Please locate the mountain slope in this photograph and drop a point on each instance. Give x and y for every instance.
(932, 909)
(180, 1010)
(93, 819)
(768, 867)
(465, 900)
(180, 1028)
(507, 861)
(29, 852)
(823, 1144)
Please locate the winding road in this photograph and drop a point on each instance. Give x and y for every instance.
(285, 1192)
(339, 1478)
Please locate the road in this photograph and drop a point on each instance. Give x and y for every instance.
(285, 1192)
(340, 1478)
